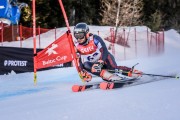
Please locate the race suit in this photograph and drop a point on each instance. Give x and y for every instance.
(93, 51)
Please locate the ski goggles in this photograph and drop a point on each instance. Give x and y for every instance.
(79, 35)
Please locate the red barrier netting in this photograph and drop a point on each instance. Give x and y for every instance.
(19, 32)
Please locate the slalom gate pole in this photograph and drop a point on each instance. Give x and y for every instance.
(121, 71)
(73, 48)
(64, 14)
(34, 40)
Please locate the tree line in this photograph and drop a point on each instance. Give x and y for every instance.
(155, 14)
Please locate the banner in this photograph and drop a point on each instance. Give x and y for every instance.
(15, 59)
(20, 60)
(56, 53)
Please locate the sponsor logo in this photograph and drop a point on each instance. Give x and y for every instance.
(57, 59)
(88, 49)
(51, 50)
(15, 63)
(2, 7)
(78, 30)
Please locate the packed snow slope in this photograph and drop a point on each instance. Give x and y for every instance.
(52, 98)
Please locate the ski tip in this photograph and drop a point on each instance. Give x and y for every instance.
(106, 85)
(77, 88)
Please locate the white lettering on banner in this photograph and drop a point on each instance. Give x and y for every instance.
(15, 63)
(88, 49)
(48, 62)
(60, 65)
(61, 58)
(57, 59)
(2, 7)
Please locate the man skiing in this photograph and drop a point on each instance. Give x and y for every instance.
(95, 58)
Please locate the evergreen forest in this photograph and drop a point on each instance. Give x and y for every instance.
(156, 14)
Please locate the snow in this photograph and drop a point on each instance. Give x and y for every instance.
(52, 98)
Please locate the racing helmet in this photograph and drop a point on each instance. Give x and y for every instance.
(80, 30)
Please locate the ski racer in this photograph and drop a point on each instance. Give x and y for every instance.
(94, 57)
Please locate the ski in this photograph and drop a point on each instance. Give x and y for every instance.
(98, 85)
(80, 88)
(133, 82)
(116, 84)
(124, 82)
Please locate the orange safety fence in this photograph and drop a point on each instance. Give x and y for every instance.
(18, 32)
(133, 43)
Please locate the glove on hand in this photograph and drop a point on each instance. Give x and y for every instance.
(135, 73)
(85, 76)
(97, 66)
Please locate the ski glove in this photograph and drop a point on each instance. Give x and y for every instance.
(97, 66)
(135, 73)
(85, 76)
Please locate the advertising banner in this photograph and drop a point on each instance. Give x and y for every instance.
(56, 53)
(19, 60)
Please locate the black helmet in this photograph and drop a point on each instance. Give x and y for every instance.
(80, 30)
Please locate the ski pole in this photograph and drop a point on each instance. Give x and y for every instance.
(121, 71)
(169, 76)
